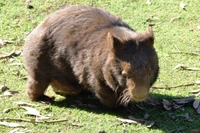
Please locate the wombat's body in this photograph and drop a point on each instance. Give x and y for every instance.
(81, 48)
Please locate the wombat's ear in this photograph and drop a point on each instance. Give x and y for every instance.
(147, 38)
(115, 42)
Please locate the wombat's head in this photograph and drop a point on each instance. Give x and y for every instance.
(138, 62)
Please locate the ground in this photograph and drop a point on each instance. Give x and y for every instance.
(176, 25)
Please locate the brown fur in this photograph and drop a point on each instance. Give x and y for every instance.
(81, 48)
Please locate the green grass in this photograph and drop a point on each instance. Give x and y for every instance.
(180, 35)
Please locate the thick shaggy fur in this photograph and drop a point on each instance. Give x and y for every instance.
(80, 48)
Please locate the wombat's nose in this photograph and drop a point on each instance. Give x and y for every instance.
(139, 95)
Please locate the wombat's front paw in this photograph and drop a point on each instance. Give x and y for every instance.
(44, 99)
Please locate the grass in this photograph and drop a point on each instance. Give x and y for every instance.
(178, 35)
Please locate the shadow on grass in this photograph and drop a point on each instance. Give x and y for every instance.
(174, 120)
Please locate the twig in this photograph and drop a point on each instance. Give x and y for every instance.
(191, 53)
(35, 121)
(177, 86)
(8, 55)
(187, 68)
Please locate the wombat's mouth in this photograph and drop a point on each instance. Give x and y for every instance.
(139, 99)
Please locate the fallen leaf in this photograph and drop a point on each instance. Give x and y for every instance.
(198, 110)
(188, 117)
(19, 130)
(171, 116)
(183, 5)
(148, 2)
(101, 131)
(141, 121)
(177, 130)
(195, 91)
(28, 5)
(184, 100)
(127, 121)
(2, 42)
(146, 116)
(3, 88)
(149, 124)
(196, 103)
(44, 117)
(10, 93)
(25, 103)
(153, 102)
(7, 110)
(11, 124)
(166, 104)
(175, 18)
(177, 106)
(31, 111)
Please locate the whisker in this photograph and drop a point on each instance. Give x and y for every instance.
(124, 98)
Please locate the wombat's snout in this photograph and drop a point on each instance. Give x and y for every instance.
(140, 93)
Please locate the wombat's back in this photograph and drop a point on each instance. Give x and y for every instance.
(69, 37)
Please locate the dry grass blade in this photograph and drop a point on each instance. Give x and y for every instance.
(11, 124)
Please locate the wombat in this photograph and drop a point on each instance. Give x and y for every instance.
(81, 48)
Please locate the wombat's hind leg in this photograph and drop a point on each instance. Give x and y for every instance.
(36, 89)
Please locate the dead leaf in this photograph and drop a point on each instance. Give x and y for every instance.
(153, 102)
(3, 88)
(28, 5)
(7, 124)
(127, 121)
(195, 91)
(146, 116)
(44, 117)
(25, 103)
(166, 104)
(148, 2)
(149, 124)
(19, 130)
(10, 93)
(184, 100)
(182, 5)
(175, 18)
(7, 110)
(141, 121)
(2, 42)
(171, 116)
(198, 110)
(188, 117)
(31, 111)
(196, 104)
(177, 130)
(177, 106)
